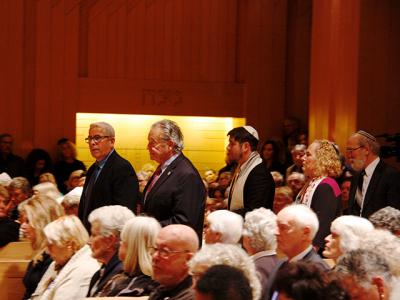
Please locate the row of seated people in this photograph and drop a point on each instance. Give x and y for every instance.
(133, 256)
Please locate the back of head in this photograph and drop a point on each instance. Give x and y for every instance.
(228, 224)
(327, 159)
(139, 234)
(111, 218)
(221, 282)
(387, 218)
(48, 189)
(170, 131)
(21, 183)
(242, 135)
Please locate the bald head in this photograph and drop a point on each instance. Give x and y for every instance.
(180, 235)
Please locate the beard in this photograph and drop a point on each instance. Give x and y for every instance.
(357, 164)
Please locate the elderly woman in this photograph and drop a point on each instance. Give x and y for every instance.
(282, 198)
(223, 226)
(321, 193)
(68, 276)
(387, 218)
(106, 226)
(70, 202)
(224, 254)
(347, 233)
(138, 236)
(36, 213)
(259, 241)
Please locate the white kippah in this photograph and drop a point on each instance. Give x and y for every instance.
(252, 131)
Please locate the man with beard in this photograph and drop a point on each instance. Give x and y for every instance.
(252, 185)
(375, 184)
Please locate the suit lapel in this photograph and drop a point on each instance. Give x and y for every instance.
(373, 183)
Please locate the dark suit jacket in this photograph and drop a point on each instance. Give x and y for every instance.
(265, 265)
(258, 191)
(383, 190)
(178, 196)
(9, 231)
(311, 256)
(116, 184)
(113, 267)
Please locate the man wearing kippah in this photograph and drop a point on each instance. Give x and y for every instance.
(252, 185)
(375, 184)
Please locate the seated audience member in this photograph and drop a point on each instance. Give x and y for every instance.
(297, 156)
(297, 227)
(259, 241)
(37, 162)
(215, 199)
(10, 163)
(345, 188)
(106, 226)
(366, 275)
(36, 213)
(223, 226)
(75, 179)
(278, 178)
(66, 163)
(138, 236)
(283, 197)
(9, 229)
(70, 202)
(20, 190)
(175, 246)
(47, 177)
(223, 282)
(210, 176)
(68, 276)
(224, 179)
(387, 244)
(296, 181)
(271, 156)
(347, 233)
(5, 179)
(387, 218)
(47, 189)
(303, 281)
(225, 254)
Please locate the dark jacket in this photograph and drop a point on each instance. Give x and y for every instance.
(34, 273)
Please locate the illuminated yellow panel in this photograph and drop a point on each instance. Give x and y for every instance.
(204, 137)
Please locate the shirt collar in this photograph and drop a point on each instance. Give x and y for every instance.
(101, 163)
(169, 161)
(369, 170)
(263, 253)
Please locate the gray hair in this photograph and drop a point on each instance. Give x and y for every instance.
(21, 183)
(260, 226)
(302, 216)
(351, 230)
(107, 128)
(363, 265)
(225, 254)
(228, 224)
(299, 147)
(386, 218)
(170, 131)
(388, 246)
(111, 218)
(366, 139)
(72, 198)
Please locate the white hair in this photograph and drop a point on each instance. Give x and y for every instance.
(228, 224)
(111, 218)
(302, 216)
(48, 189)
(230, 255)
(107, 128)
(170, 131)
(260, 226)
(351, 230)
(73, 197)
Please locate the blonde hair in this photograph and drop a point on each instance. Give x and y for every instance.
(67, 230)
(284, 191)
(139, 234)
(327, 159)
(3, 192)
(47, 177)
(40, 211)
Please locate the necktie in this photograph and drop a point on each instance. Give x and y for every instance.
(156, 175)
(89, 188)
(359, 193)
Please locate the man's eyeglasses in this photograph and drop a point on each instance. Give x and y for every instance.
(349, 150)
(96, 138)
(164, 252)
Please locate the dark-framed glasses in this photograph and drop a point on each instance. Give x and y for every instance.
(349, 150)
(165, 252)
(96, 138)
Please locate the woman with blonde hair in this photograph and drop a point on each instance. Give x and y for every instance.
(35, 214)
(69, 275)
(137, 238)
(321, 193)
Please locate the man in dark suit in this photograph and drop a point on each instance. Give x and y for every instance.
(111, 180)
(297, 227)
(252, 185)
(175, 194)
(375, 184)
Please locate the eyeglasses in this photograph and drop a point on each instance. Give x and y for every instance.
(97, 138)
(349, 150)
(164, 252)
